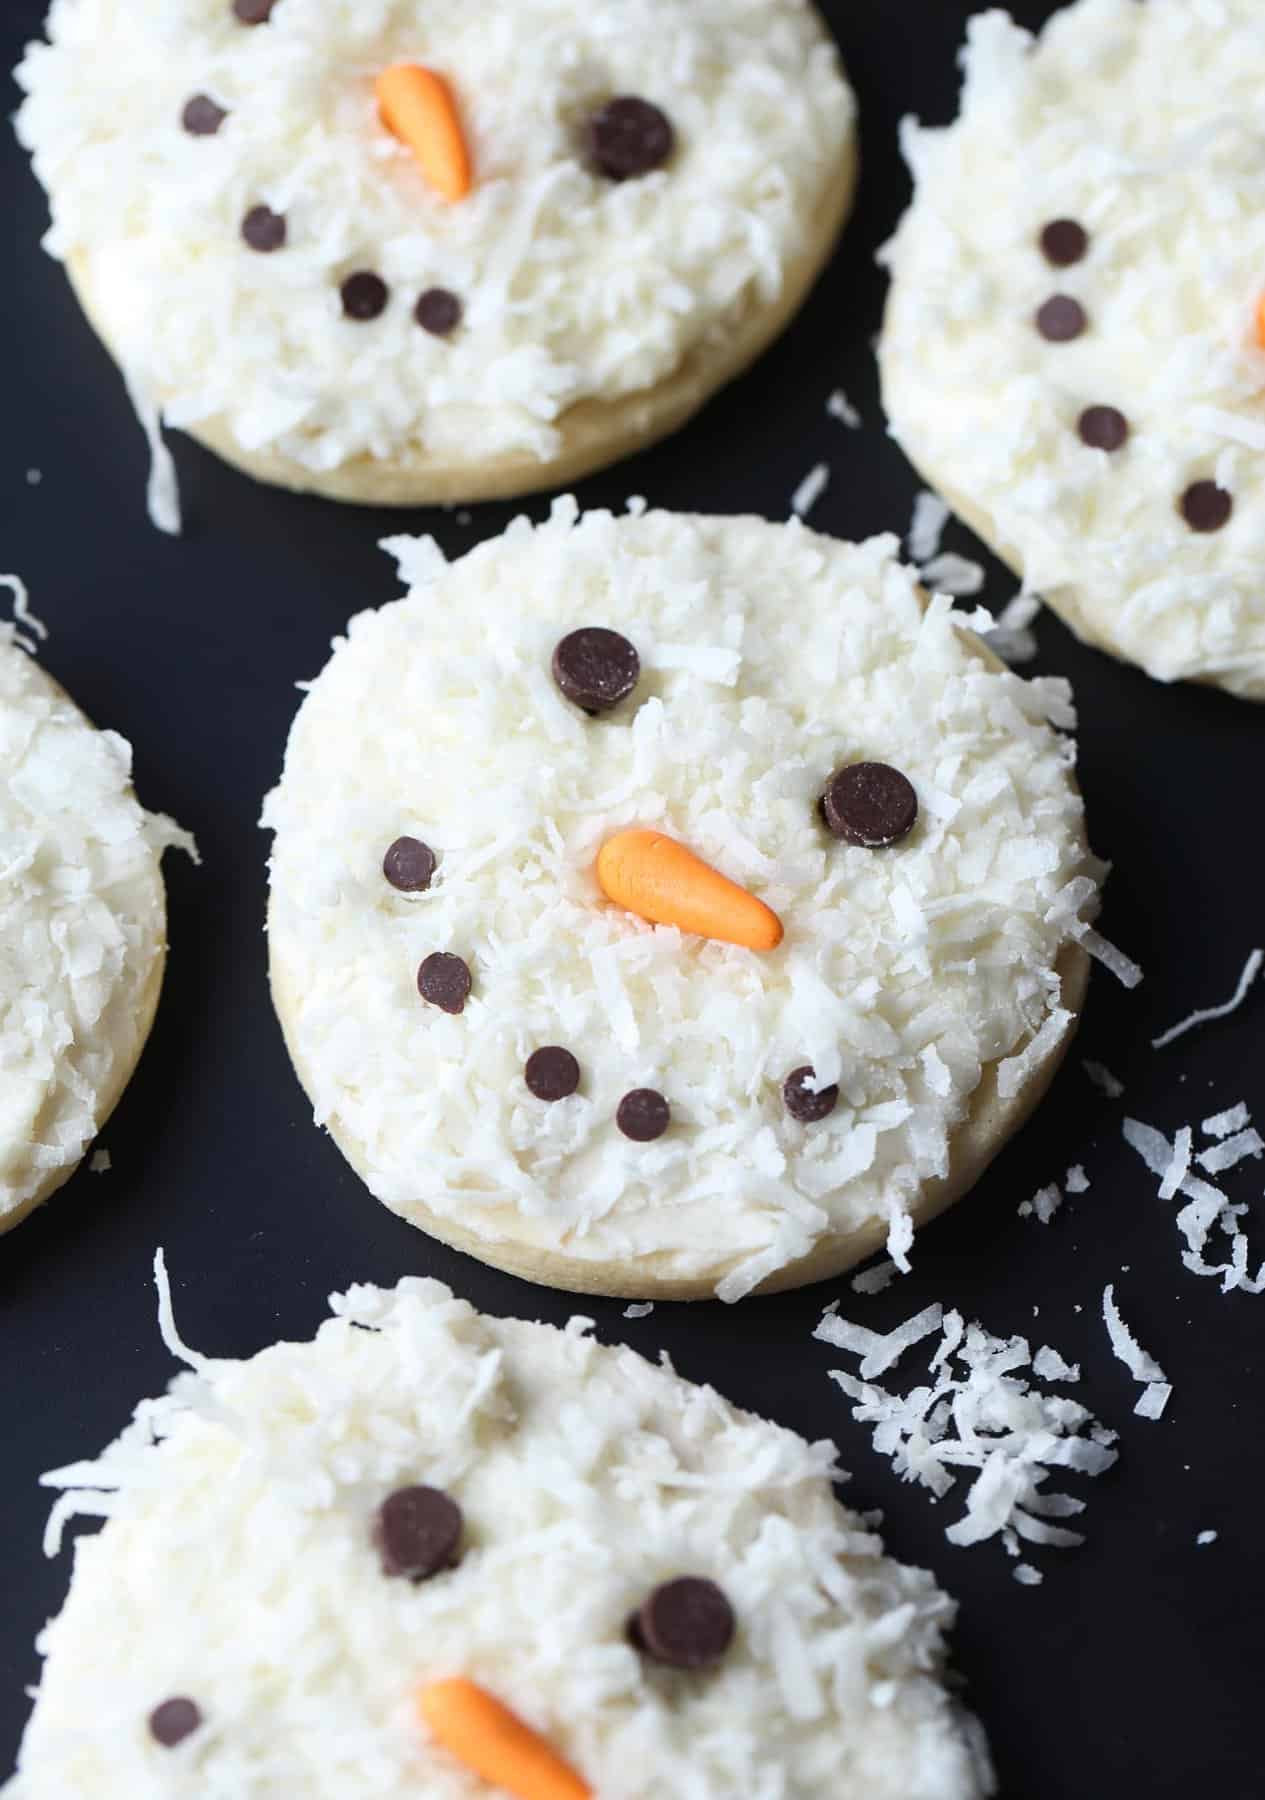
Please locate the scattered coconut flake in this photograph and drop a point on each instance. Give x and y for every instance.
(26, 628)
(950, 573)
(640, 1309)
(1012, 637)
(810, 490)
(1221, 1124)
(1103, 1079)
(1206, 1537)
(1251, 969)
(1043, 1204)
(1209, 1208)
(931, 515)
(1141, 1366)
(878, 1350)
(841, 408)
(1026, 1575)
(1153, 1399)
(162, 492)
(874, 1279)
(1231, 1151)
(1048, 1365)
(1076, 1180)
(1179, 1164)
(99, 1163)
(34, 477)
(1126, 971)
(978, 1413)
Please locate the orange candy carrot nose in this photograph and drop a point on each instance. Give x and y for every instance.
(1260, 321)
(492, 1741)
(660, 880)
(417, 105)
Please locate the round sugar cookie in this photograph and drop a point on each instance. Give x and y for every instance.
(627, 202)
(523, 1054)
(318, 1560)
(1072, 351)
(82, 930)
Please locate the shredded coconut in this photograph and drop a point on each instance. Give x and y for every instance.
(1077, 1181)
(1209, 1208)
(639, 1309)
(841, 408)
(99, 1163)
(1230, 1152)
(931, 515)
(1155, 1395)
(1206, 1537)
(1026, 1575)
(1012, 637)
(950, 573)
(876, 1278)
(1103, 1079)
(810, 490)
(1043, 1204)
(1251, 969)
(1221, 1124)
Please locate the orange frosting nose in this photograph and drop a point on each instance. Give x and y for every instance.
(489, 1739)
(418, 106)
(660, 880)
(1260, 321)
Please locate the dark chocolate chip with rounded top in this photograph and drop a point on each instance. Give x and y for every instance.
(418, 1530)
(1103, 428)
(552, 1073)
(444, 980)
(175, 1720)
(253, 12)
(202, 117)
(1061, 319)
(596, 668)
(687, 1623)
(438, 312)
(629, 137)
(1064, 242)
(806, 1102)
(410, 865)
(1206, 507)
(870, 804)
(264, 229)
(643, 1115)
(364, 295)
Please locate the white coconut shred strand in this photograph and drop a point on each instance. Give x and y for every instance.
(841, 408)
(1221, 1124)
(1251, 969)
(1209, 1209)
(26, 628)
(931, 515)
(810, 490)
(1141, 1366)
(162, 490)
(979, 1415)
(1103, 1079)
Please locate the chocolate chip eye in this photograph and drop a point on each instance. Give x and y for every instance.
(444, 981)
(1061, 319)
(806, 1102)
(1205, 506)
(643, 1115)
(629, 137)
(870, 804)
(202, 117)
(1064, 242)
(596, 668)
(409, 865)
(175, 1720)
(1103, 428)
(417, 1531)
(253, 12)
(552, 1073)
(687, 1623)
(263, 229)
(364, 296)
(438, 312)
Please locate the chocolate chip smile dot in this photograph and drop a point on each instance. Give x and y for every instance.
(240, 1552)
(511, 170)
(652, 898)
(202, 117)
(409, 865)
(994, 386)
(263, 229)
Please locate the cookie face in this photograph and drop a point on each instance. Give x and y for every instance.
(1072, 351)
(426, 1514)
(433, 251)
(662, 904)
(82, 930)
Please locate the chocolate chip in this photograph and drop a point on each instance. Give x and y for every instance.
(253, 12)
(643, 1115)
(629, 137)
(202, 117)
(1064, 242)
(175, 1720)
(438, 312)
(417, 1532)
(264, 229)
(409, 865)
(444, 980)
(1061, 319)
(1205, 506)
(552, 1073)
(596, 668)
(870, 804)
(1103, 428)
(687, 1623)
(804, 1101)
(364, 295)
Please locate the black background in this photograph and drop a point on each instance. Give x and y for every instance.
(1138, 1665)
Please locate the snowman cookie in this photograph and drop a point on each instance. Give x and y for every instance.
(435, 1554)
(1074, 347)
(665, 905)
(424, 251)
(82, 930)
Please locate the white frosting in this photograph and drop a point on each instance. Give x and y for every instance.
(574, 286)
(237, 1568)
(82, 924)
(1143, 122)
(770, 657)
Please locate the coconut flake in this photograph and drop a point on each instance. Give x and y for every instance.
(1179, 1164)
(1141, 1366)
(841, 408)
(873, 1280)
(1221, 1124)
(1048, 1365)
(878, 1350)
(1076, 1180)
(1207, 1537)
(931, 515)
(162, 492)
(99, 1163)
(810, 490)
(1043, 1204)
(1126, 971)
(950, 573)
(1103, 1079)
(1026, 1575)
(1251, 969)
(1153, 1399)
(640, 1309)
(1231, 1151)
